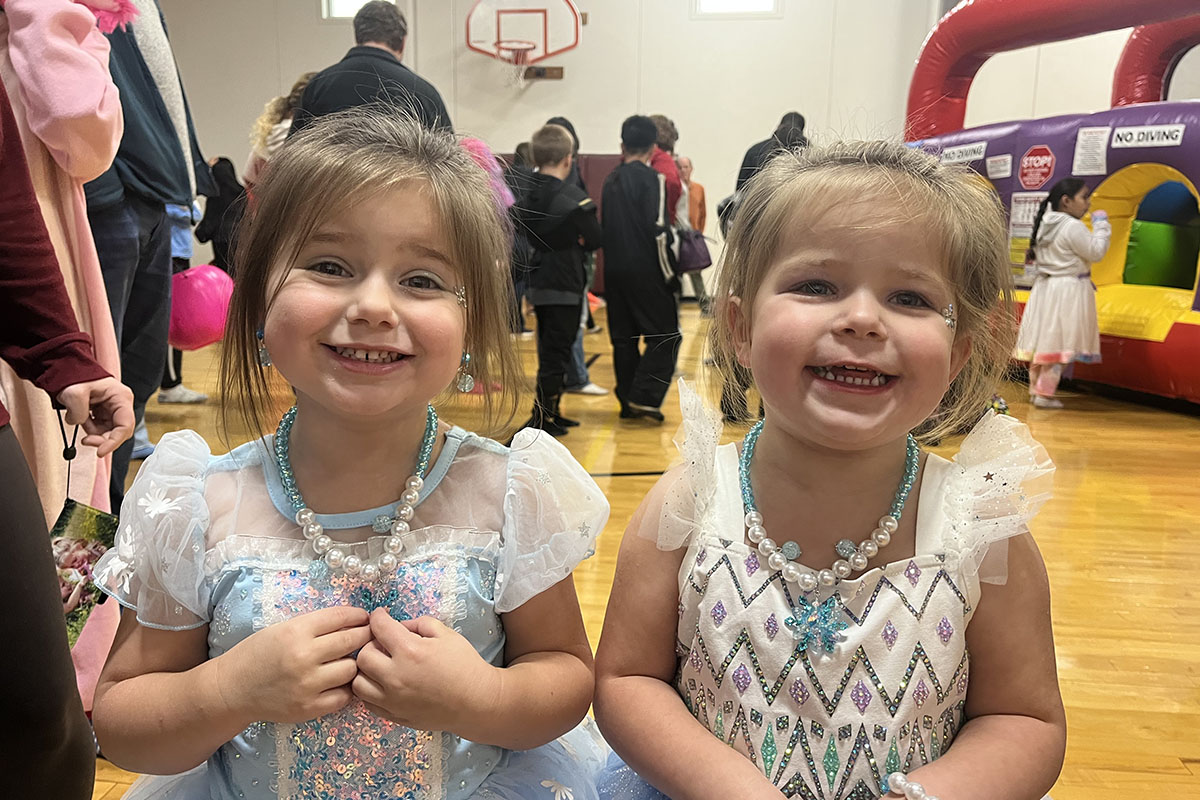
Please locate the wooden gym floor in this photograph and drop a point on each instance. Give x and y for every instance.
(1120, 539)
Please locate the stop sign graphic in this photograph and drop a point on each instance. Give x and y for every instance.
(1037, 165)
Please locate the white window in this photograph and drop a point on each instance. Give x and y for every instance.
(727, 9)
(341, 9)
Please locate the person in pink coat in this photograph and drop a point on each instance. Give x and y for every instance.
(54, 66)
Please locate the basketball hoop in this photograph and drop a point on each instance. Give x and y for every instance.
(515, 53)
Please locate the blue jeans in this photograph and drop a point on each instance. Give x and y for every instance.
(577, 374)
(134, 244)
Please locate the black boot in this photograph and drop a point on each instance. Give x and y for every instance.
(635, 411)
(557, 417)
(545, 424)
(543, 419)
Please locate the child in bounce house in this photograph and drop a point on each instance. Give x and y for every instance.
(1060, 325)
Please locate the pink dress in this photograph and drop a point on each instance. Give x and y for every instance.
(54, 66)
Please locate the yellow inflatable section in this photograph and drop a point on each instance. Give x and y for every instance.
(1120, 195)
(1127, 310)
(1139, 312)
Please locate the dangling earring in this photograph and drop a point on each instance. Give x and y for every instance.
(264, 358)
(466, 382)
(950, 317)
(461, 294)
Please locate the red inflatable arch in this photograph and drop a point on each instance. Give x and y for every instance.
(1149, 59)
(976, 30)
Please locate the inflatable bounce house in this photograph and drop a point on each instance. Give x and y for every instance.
(1141, 158)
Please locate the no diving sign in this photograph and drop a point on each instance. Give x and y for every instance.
(1149, 136)
(1037, 165)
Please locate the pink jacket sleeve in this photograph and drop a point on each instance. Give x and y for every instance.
(61, 62)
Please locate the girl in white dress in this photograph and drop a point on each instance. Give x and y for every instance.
(1059, 325)
(769, 632)
(369, 603)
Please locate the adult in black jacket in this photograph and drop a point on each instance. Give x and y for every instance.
(641, 303)
(787, 136)
(559, 220)
(371, 73)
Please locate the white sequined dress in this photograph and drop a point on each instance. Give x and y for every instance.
(891, 696)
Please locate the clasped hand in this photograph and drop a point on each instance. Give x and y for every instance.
(418, 673)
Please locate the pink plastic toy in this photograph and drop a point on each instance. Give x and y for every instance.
(199, 305)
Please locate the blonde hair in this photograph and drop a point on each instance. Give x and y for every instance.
(277, 110)
(963, 215)
(550, 144)
(329, 166)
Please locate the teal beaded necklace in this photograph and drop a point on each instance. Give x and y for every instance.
(395, 526)
(782, 558)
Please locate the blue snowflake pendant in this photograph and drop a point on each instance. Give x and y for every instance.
(819, 624)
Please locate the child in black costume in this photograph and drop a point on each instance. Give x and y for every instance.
(560, 222)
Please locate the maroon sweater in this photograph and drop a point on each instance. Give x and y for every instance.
(39, 336)
(662, 162)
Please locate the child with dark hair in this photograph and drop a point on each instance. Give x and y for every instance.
(641, 299)
(1059, 325)
(560, 222)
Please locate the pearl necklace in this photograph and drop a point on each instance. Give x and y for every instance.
(323, 546)
(782, 558)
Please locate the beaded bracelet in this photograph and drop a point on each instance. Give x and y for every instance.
(899, 783)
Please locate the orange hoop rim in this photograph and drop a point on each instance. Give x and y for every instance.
(518, 50)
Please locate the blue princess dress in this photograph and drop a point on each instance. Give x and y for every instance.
(211, 541)
(890, 697)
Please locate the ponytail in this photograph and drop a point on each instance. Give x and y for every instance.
(1067, 187)
(1037, 223)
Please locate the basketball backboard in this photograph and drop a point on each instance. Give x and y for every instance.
(551, 27)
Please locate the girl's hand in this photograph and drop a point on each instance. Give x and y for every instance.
(297, 670)
(105, 410)
(423, 675)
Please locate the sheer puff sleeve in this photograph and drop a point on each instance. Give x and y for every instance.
(157, 564)
(998, 481)
(692, 484)
(553, 512)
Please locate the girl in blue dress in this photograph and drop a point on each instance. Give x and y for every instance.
(368, 603)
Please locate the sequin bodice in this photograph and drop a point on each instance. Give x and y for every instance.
(342, 754)
(891, 695)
